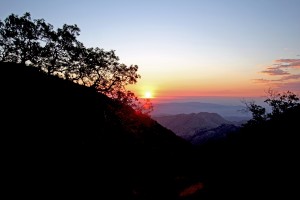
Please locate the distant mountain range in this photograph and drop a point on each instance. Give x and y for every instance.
(229, 112)
(197, 127)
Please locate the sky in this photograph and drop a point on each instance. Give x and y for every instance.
(188, 47)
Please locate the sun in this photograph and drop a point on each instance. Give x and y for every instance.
(148, 95)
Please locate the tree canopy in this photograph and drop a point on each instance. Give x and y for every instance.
(59, 52)
(279, 103)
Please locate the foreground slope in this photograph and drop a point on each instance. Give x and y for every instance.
(60, 135)
(258, 161)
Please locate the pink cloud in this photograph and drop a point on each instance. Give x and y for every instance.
(276, 84)
(287, 63)
(275, 71)
(261, 80)
(290, 77)
(287, 71)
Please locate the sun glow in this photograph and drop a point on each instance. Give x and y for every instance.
(148, 95)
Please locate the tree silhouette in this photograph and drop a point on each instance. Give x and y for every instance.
(101, 70)
(279, 103)
(19, 39)
(59, 46)
(58, 52)
(258, 112)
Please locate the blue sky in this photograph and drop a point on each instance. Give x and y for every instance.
(187, 47)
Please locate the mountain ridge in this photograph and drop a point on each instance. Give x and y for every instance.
(186, 125)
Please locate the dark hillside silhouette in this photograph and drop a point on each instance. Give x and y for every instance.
(258, 161)
(59, 135)
(62, 137)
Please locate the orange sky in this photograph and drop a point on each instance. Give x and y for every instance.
(234, 81)
(181, 87)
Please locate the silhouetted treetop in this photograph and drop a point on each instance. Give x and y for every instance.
(279, 102)
(58, 52)
(19, 39)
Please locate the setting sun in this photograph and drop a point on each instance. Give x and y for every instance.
(148, 95)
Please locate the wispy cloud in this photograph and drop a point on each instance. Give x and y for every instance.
(285, 73)
(275, 71)
(270, 81)
(287, 63)
(262, 80)
(275, 84)
(291, 77)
